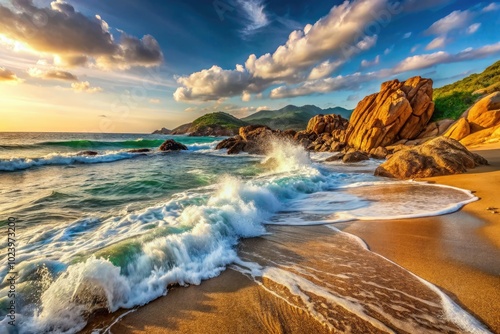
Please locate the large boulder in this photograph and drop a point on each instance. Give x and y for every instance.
(435, 129)
(401, 110)
(489, 135)
(440, 156)
(332, 124)
(172, 145)
(254, 139)
(485, 113)
(459, 130)
(355, 156)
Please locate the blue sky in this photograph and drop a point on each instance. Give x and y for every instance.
(134, 66)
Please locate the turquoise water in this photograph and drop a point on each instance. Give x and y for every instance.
(115, 229)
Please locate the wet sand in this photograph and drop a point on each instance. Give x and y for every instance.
(458, 252)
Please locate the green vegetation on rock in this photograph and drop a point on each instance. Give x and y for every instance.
(454, 99)
(219, 118)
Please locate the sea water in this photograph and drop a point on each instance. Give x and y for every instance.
(116, 229)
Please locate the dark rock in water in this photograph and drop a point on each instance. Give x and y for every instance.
(355, 156)
(228, 143)
(140, 150)
(236, 148)
(336, 157)
(172, 145)
(440, 156)
(89, 153)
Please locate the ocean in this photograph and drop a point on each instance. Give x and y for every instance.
(115, 230)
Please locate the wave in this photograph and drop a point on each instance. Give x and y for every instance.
(131, 259)
(55, 159)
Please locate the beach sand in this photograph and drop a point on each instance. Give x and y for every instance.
(458, 252)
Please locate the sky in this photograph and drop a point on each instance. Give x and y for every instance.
(136, 66)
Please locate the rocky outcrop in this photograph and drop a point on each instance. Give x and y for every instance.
(172, 145)
(140, 150)
(458, 130)
(435, 129)
(401, 110)
(335, 125)
(162, 131)
(489, 135)
(440, 156)
(485, 113)
(87, 153)
(254, 139)
(217, 131)
(355, 156)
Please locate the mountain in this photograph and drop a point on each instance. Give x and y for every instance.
(214, 124)
(292, 117)
(162, 131)
(453, 99)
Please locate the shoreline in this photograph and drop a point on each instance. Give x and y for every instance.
(456, 252)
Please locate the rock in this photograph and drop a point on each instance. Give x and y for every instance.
(378, 153)
(489, 135)
(172, 145)
(228, 143)
(336, 146)
(140, 150)
(320, 124)
(355, 156)
(336, 157)
(87, 153)
(485, 113)
(459, 130)
(440, 156)
(162, 131)
(401, 110)
(435, 129)
(236, 148)
(255, 132)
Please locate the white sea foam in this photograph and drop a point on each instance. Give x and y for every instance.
(54, 159)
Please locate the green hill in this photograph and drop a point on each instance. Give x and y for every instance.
(214, 124)
(453, 99)
(292, 117)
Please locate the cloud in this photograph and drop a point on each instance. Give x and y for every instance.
(436, 43)
(8, 75)
(310, 53)
(441, 57)
(353, 97)
(407, 35)
(84, 87)
(51, 74)
(491, 7)
(255, 12)
(262, 108)
(246, 96)
(154, 101)
(324, 69)
(74, 38)
(415, 48)
(348, 82)
(455, 20)
(473, 28)
(367, 63)
(388, 50)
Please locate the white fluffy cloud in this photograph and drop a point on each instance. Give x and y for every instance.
(491, 7)
(455, 20)
(255, 13)
(311, 53)
(436, 43)
(84, 87)
(441, 57)
(473, 28)
(368, 63)
(73, 38)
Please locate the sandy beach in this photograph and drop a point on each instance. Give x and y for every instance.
(459, 253)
